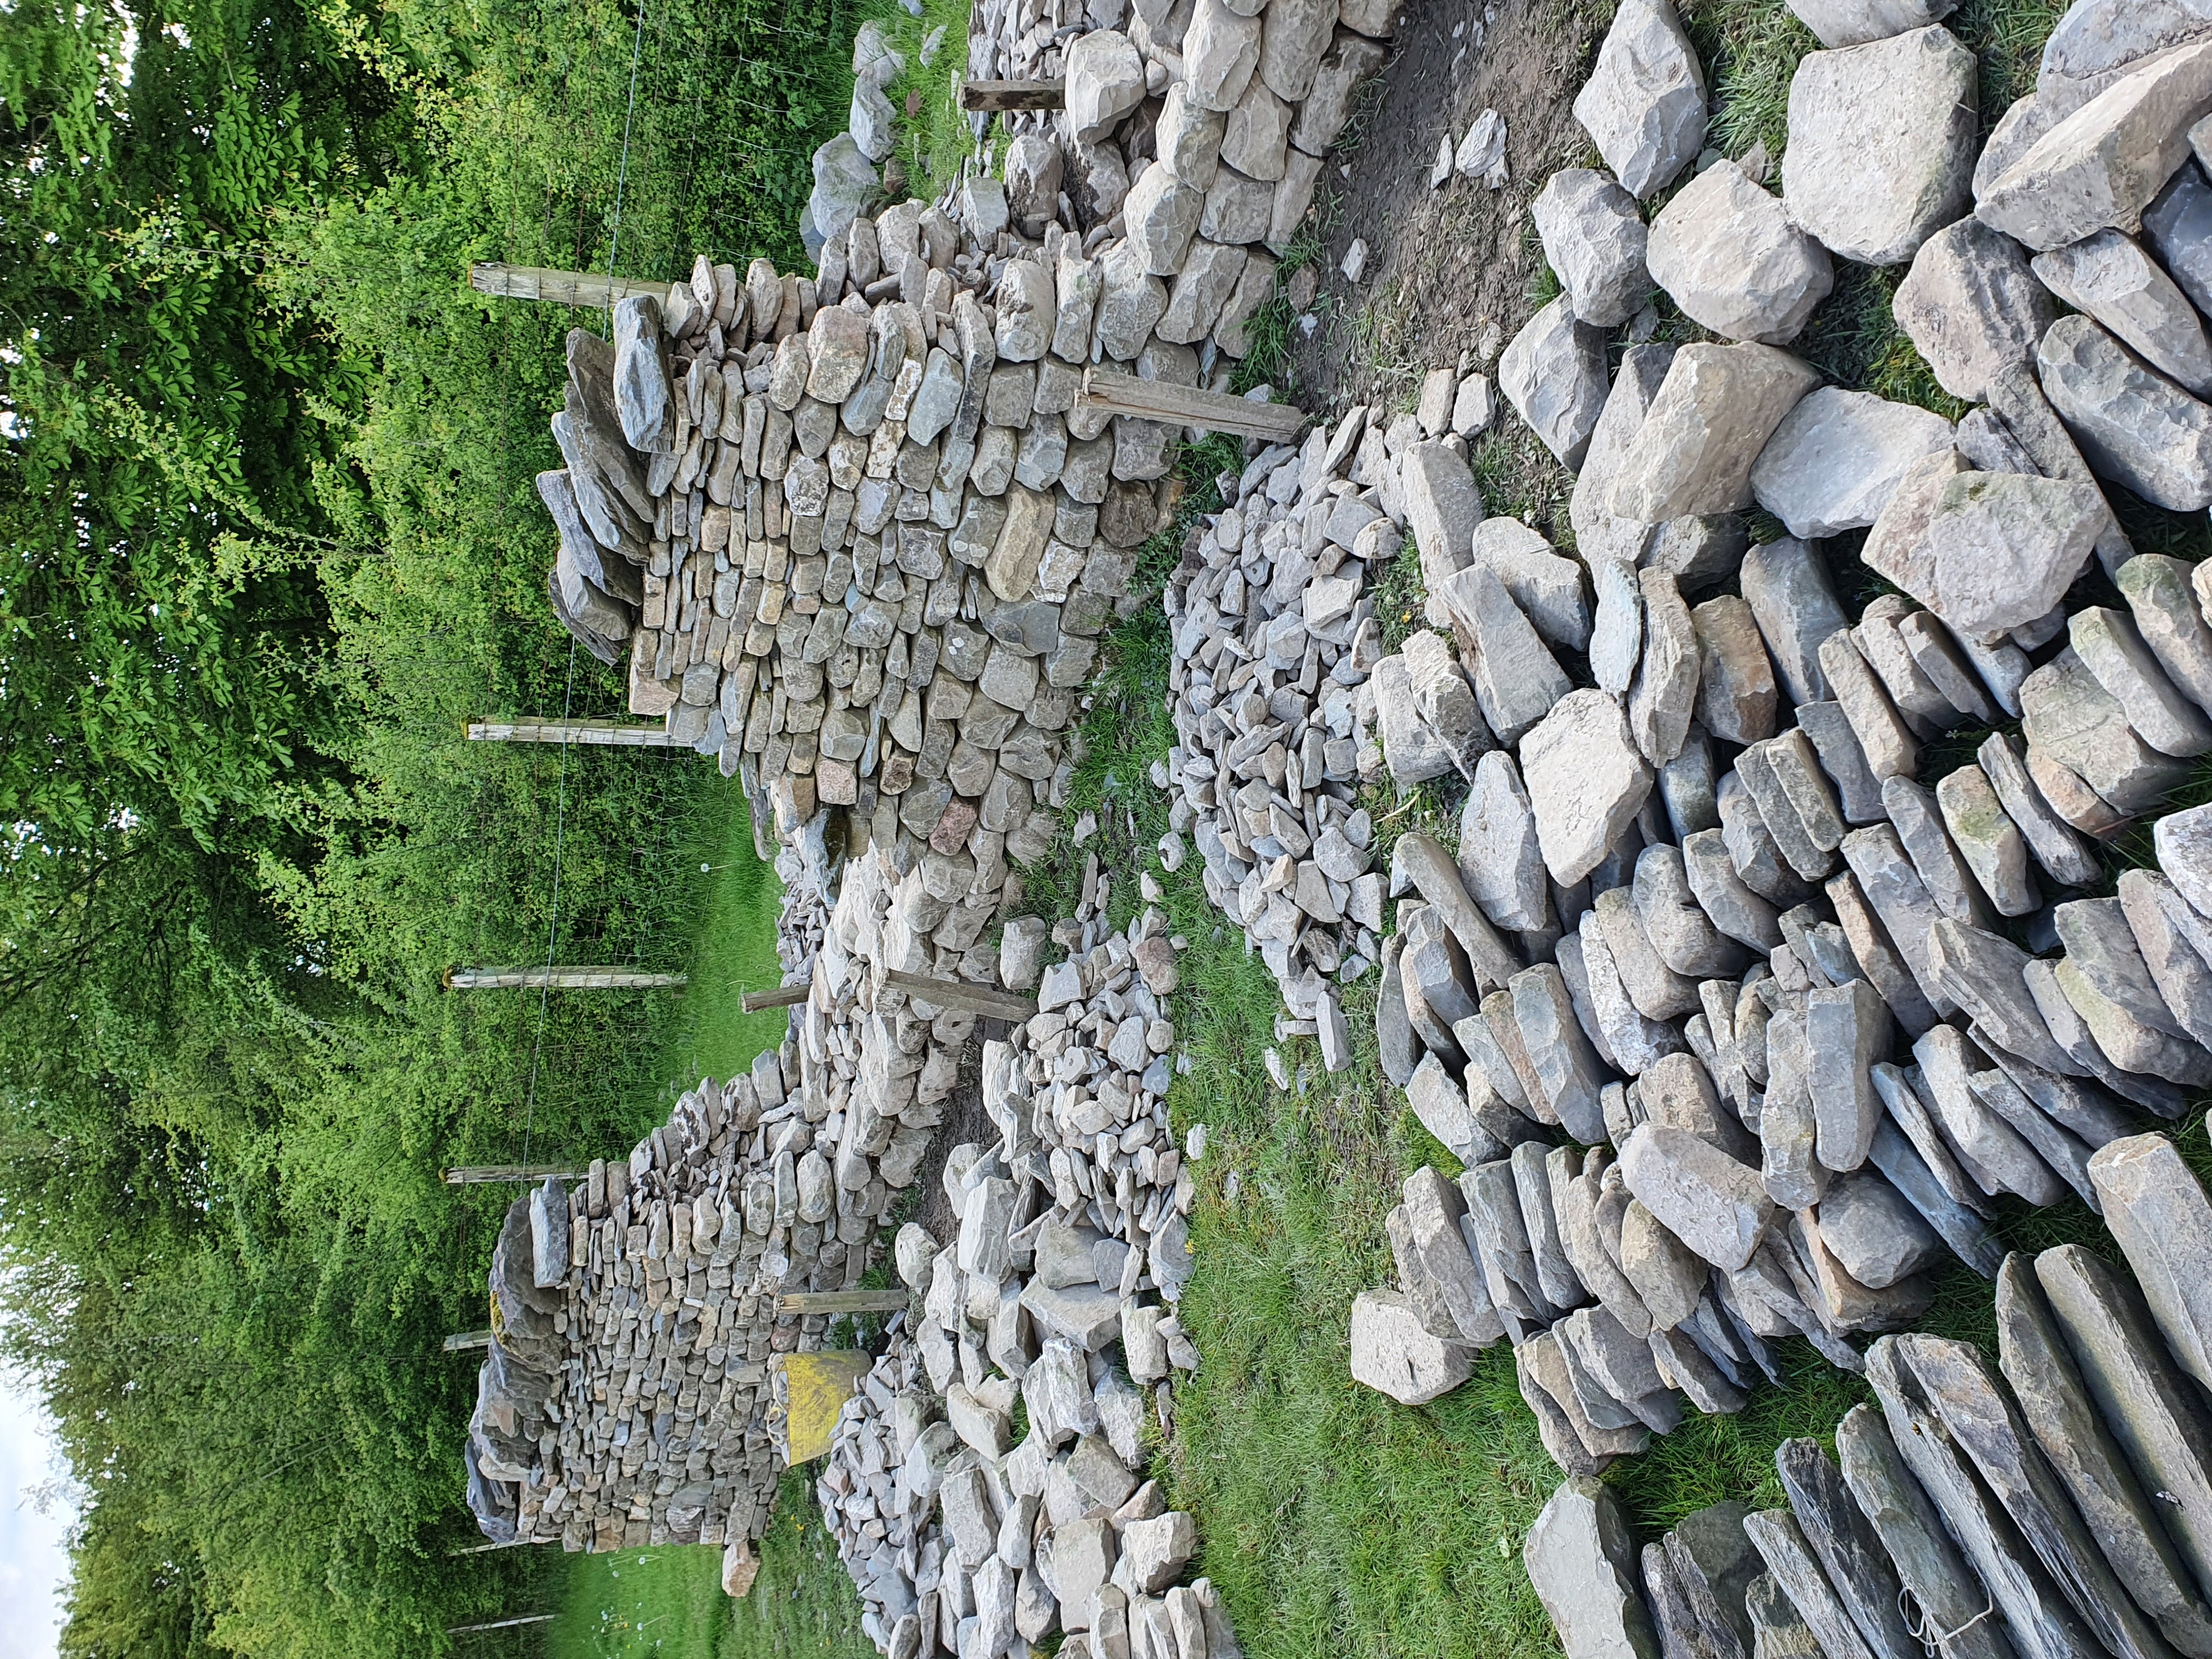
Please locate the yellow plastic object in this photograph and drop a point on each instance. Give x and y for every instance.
(815, 1388)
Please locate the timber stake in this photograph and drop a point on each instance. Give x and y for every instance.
(1004, 97)
(587, 290)
(560, 979)
(1189, 405)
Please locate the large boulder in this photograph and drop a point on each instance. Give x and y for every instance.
(1393, 1351)
(1586, 780)
(2110, 277)
(1105, 80)
(1838, 458)
(1594, 240)
(1727, 253)
(1986, 551)
(1645, 103)
(1582, 1564)
(1855, 22)
(844, 180)
(1553, 374)
(1972, 306)
(1714, 414)
(1882, 141)
(2135, 427)
(2102, 165)
(2099, 41)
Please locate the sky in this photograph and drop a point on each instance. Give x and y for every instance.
(33, 1550)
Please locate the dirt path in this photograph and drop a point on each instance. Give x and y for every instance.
(1449, 270)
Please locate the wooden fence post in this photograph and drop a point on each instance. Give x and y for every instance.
(1004, 97)
(587, 290)
(619, 734)
(462, 1342)
(1188, 405)
(560, 979)
(784, 996)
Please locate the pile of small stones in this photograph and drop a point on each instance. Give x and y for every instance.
(2057, 1502)
(1058, 1291)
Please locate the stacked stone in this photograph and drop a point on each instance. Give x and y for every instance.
(2057, 1502)
(1273, 640)
(1703, 908)
(1057, 1293)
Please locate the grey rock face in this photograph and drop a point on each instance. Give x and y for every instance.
(1727, 252)
(1986, 551)
(1568, 1072)
(1594, 238)
(1708, 1201)
(1972, 306)
(1782, 1544)
(2173, 940)
(1411, 747)
(1874, 1230)
(1547, 587)
(1836, 460)
(1736, 693)
(2070, 718)
(1580, 1563)
(1443, 508)
(2109, 276)
(2102, 165)
(1962, 1387)
(1881, 143)
(2057, 847)
(1664, 693)
(2143, 1399)
(2166, 615)
(1714, 413)
(1517, 678)
(1989, 841)
(1553, 374)
(1857, 1566)
(2179, 228)
(1912, 1531)
(1846, 1031)
(1433, 1211)
(1586, 781)
(2135, 426)
(2056, 1405)
(642, 389)
(1220, 51)
(1855, 22)
(2184, 844)
(2158, 1211)
(1981, 973)
(1499, 857)
(2039, 1617)
(1778, 1631)
(1393, 1353)
(1786, 585)
(844, 180)
(1645, 103)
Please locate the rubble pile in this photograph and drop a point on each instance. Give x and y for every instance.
(2055, 1501)
(1058, 1293)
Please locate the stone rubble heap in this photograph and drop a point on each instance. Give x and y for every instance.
(1702, 907)
(626, 1398)
(1058, 1293)
(2058, 1502)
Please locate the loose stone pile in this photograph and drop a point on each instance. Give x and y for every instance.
(2059, 1502)
(1702, 907)
(1071, 1236)
(860, 535)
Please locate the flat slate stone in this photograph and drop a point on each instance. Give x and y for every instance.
(2151, 1409)
(1912, 1532)
(1713, 1560)
(1850, 1552)
(2042, 1623)
(1580, 1563)
(2034, 1355)
(1782, 1543)
(1982, 973)
(1962, 1388)
(1394, 1351)
(1776, 1630)
(2158, 1213)
(1711, 1202)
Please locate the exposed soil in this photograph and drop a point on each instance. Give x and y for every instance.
(1449, 270)
(965, 1121)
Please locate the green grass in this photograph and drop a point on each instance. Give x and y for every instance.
(735, 953)
(936, 138)
(668, 1603)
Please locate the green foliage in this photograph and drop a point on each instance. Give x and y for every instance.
(267, 510)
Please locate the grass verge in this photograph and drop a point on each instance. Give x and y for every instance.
(668, 1603)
